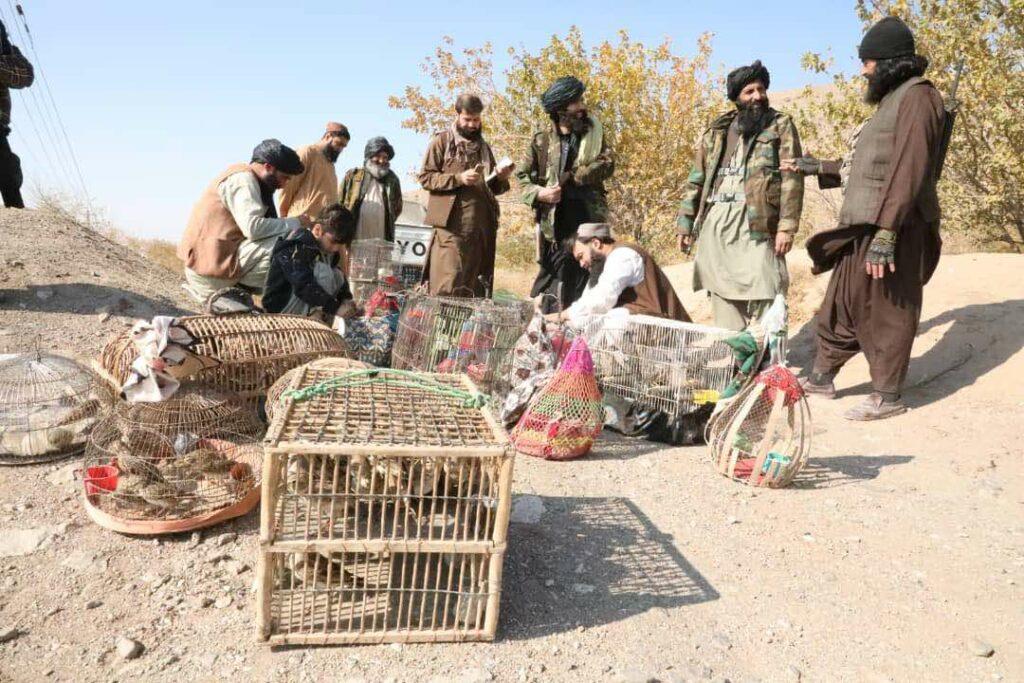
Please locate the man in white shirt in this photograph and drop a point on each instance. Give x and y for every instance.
(234, 225)
(629, 280)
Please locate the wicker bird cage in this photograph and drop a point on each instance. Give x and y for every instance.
(385, 510)
(180, 464)
(564, 419)
(251, 351)
(472, 336)
(763, 436)
(665, 365)
(371, 267)
(48, 405)
(324, 364)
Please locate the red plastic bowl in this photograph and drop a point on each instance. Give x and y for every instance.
(100, 479)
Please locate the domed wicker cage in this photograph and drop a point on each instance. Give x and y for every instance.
(472, 336)
(323, 365)
(371, 267)
(251, 351)
(180, 464)
(48, 406)
(762, 437)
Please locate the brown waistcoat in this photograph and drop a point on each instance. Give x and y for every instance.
(654, 295)
(209, 246)
(872, 160)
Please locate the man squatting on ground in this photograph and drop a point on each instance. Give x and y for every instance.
(887, 244)
(304, 277)
(234, 225)
(629, 280)
(310, 192)
(562, 177)
(739, 207)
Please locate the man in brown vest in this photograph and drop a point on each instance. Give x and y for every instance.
(621, 277)
(234, 225)
(887, 244)
(462, 177)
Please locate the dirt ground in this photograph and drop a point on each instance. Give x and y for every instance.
(897, 556)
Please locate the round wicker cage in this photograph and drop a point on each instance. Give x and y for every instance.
(371, 267)
(180, 464)
(762, 437)
(324, 364)
(48, 405)
(251, 351)
(472, 336)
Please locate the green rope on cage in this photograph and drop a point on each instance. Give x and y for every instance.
(399, 378)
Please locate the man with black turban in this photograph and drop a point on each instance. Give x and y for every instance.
(887, 244)
(373, 192)
(562, 176)
(233, 227)
(744, 209)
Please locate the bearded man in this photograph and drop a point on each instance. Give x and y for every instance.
(234, 226)
(739, 207)
(887, 244)
(463, 179)
(562, 176)
(373, 193)
(316, 188)
(628, 279)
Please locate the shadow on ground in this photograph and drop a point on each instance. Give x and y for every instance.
(85, 298)
(605, 562)
(823, 473)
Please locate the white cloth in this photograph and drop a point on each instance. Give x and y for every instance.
(161, 346)
(623, 268)
(240, 193)
(372, 214)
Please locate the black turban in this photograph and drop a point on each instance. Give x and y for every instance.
(740, 78)
(887, 39)
(562, 93)
(278, 155)
(376, 146)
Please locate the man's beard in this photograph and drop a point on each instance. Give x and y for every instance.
(576, 124)
(597, 263)
(470, 134)
(331, 153)
(751, 118)
(879, 85)
(378, 171)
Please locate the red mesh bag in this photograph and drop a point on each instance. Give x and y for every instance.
(567, 415)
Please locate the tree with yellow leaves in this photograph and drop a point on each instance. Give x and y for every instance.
(654, 105)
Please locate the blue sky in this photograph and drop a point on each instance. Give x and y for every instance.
(158, 97)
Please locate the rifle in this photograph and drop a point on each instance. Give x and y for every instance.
(952, 105)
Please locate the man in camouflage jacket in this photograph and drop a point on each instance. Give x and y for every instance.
(744, 209)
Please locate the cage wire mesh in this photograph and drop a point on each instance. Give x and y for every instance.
(184, 458)
(402, 484)
(48, 405)
(251, 351)
(659, 364)
(762, 437)
(371, 267)
(472, 336)
(284, 383)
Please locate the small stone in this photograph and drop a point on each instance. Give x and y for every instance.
(549, 583)
(8, 634)
(225, 539)
(732, 520)
(195, 539)
(527, 510)
(44, 294)
(16, 542)
(128, 648)
(979, 648)
(795, 673)
(222, 602)
(93, 604)
(722, 641)
(809, 538)
(583, 588)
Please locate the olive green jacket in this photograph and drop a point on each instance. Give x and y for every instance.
(353, 189)
(774, 199)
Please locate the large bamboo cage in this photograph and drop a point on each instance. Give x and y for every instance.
(385, 510)
(48, 406)
(471, 336)
(371, 267)
(659, 364)
(762, 437)
(284, 383)
(251, 351)
(190, 461)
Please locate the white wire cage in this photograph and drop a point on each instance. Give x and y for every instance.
(371, 267)
(660, 364)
